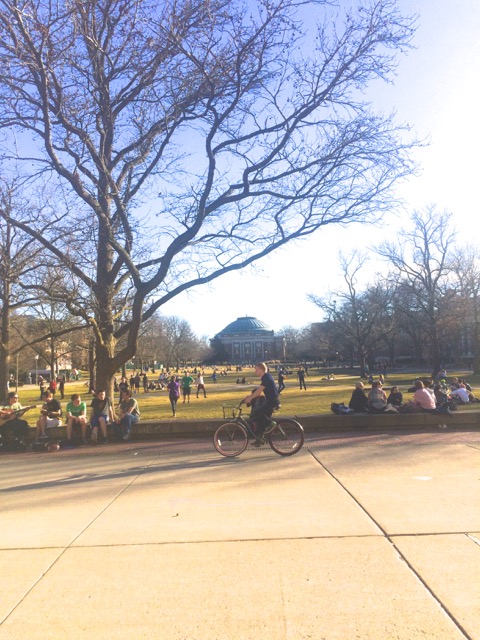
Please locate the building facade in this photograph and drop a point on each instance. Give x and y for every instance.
(248, 340)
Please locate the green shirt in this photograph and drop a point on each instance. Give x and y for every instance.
(77, 410)
(16, 406)
(187, 382)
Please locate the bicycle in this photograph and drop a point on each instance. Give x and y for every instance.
(285, 436)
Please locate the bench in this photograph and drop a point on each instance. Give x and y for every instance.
(326, 422)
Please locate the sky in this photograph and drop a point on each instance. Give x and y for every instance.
(436, 90)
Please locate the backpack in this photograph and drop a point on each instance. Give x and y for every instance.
(340, 409)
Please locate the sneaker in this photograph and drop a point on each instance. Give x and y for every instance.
(103, 441)
(93, 438)
(258, 442)
(270, 427)
(127, 437)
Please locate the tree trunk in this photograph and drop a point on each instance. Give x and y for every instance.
(476, 337)
(105, 366)
(105, 341)
(4, 357)
(5, 345)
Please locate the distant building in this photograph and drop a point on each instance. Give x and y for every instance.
(248, 340)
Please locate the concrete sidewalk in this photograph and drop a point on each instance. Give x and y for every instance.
(365, 537)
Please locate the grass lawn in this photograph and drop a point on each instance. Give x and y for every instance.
(317, 399)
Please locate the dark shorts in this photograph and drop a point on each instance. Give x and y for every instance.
(94, 422)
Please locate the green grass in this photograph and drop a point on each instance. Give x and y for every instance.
(317, 399)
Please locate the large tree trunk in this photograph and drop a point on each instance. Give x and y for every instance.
(105, 340)
(5, 346)
(105, 365)
(4, 353)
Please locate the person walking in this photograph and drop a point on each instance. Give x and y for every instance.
(173, 394)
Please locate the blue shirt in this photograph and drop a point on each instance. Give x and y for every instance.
(269, 388)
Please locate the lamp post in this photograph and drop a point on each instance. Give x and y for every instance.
(36, 368)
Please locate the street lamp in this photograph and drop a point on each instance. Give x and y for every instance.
(36, 368)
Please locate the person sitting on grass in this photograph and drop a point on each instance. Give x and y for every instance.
(359, 401)
(262, 412)
(77, 414)
(377, 398)
(460, 395)
(423, 400)
(395, 398)
(129, 415)
(102, 414)
(50, 414)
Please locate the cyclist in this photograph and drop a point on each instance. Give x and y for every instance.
(262, 412)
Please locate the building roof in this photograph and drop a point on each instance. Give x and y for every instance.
(246, 324)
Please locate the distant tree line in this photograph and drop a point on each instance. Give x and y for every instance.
(421, 308)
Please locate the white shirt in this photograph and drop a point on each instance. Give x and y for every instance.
(462, 393)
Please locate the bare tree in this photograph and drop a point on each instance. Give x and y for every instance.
(18, 257)
(240, 139)
(292, 338)
(421, 260)
(179, 342)
(357, 313)
(466, 266)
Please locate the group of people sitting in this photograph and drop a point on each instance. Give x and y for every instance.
(15, 430)
(428, 396)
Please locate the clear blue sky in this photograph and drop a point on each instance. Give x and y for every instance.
(436, 91)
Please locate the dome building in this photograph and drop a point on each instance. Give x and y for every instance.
(248, 340)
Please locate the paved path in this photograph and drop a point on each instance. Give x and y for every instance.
(359, 536)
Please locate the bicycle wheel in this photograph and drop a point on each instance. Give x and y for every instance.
(286, 438)
(230, 439)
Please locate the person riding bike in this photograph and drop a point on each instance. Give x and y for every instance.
(262, 411)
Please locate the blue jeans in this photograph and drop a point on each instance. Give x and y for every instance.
(125, 426)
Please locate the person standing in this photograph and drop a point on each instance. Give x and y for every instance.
(201, 385)
(187, 382)
(123, 386)
(301, 375)
(281, 381)
(61, 385)
(136, 382)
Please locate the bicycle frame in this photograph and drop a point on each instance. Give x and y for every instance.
(237, 415)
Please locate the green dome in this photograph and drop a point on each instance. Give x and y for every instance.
(246, 324)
